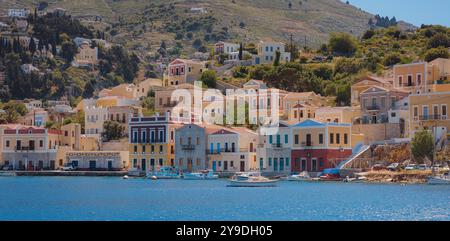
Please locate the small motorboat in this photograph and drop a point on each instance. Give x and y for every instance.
(204, 175)
(251, 179)
(164, 172)
(303, 176)
(125, 177)
(330, 177)
(134, 172)
(439, 180)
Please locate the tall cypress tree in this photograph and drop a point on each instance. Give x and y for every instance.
(32, 46)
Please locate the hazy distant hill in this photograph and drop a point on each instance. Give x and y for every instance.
(275, 19)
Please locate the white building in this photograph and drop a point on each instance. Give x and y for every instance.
(267, 52)
(18, 13)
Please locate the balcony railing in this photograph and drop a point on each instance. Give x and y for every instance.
(217, 151)
(373, 107)
(171, 104)
(25, 148)
(307, 144)
(431, 117)
(277, 145)
(156, 141)
(188, 147)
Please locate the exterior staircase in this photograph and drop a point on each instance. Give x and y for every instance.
(357, 152)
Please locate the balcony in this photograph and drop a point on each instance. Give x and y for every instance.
(216, 151)
(277, 145)
(373, 108)
(431, 117)
(170, 104)
(188, 147)
(307, 144)
(24, 148)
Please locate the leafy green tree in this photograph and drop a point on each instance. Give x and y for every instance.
(391, 59)
(439, 40)
(112, 130)
(68, 50)
(422, 146)
(435, 53)
(342, 44)
(209, 78)
(14, 110)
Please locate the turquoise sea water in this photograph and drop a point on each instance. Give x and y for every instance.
(112, 198)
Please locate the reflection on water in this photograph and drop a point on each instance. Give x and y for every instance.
(112, 198)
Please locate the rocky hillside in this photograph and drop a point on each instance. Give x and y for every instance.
(142, 24)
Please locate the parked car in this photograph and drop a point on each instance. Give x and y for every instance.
(411, 167)
(68, 167)
(378, 167)
(393, 167)
(7, 168)
(422, 167)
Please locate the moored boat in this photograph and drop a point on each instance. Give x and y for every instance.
(251, 179)
(439, 180)
(303, 176)
(8, 174)
(164, 172)
(204, 175)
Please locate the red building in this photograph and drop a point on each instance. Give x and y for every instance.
(318, 146)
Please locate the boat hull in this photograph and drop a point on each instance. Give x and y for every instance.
(438, 181)
(270, 183)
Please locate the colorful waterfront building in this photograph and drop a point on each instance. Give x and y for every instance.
(232, 150)
(273, 151)
(190, 146)
(429, 111)
(319, 145)
(152, 142)
(29, 147)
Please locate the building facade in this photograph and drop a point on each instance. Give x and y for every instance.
(190, 146)
(151, 142)
(232, 150)
(317, 146)
(273, 151)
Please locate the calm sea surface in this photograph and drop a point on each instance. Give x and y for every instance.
(112, 198)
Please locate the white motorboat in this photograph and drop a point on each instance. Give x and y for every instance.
(303, 176)
(8, 174)
(439, 180)
(251, 179)
(164, 172)
(204, 175)
(134, 172)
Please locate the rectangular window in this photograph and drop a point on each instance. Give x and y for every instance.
(286, 138)
(331, 138)
(416, 111)
(7, 143)
(320, 138)
(296, 139)
(383, 102)
(270, 139)
(338, 138)
(444, 111)
(345, 138)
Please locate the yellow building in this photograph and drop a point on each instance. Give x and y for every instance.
(344, 114)
(182, 71)
(429, 111)
(415, 77)
(151, 142)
